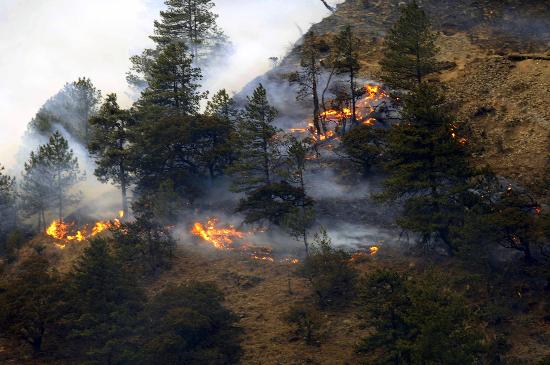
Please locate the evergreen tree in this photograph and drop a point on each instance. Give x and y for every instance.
(329, 271)
(410, 50)
(87, 97)
(30, 302)
(308, 77)
(188, 324)
(63, 170)
(70, 109)
(364, 146)
(255, 144)
(222, 106)
(103, 305)
(428, 169)
(36, 188)
(301, 216)
(346, 46)
(109, 145)
(418, 321)
(191, 22)
(172, 83)
(8, 201)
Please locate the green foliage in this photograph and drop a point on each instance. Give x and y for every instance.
(346, 61)
(222, 106)
(70, 109)
(49, 175)
(8, 201)
(418, 321)
(307, 321)
(191, 22)
(187, 324)
(507, 217)
(172, 86)
(410, 50)
(364, 146)
(428, 169)
(102, 308)
(273, 202)
(30, 302)
(255, 144)
(109, 145)
(329, 271)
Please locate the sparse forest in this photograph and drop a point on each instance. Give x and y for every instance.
(350, 206)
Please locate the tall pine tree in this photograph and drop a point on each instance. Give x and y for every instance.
(428, 169)
(410, 50)
(109, 145)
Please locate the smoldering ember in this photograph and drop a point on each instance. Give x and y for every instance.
(275, 182)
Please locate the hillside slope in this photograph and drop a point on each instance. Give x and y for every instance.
(502, 98)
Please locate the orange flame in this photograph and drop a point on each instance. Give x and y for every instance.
(221, 238)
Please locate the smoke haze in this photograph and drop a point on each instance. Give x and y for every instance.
(46, 44)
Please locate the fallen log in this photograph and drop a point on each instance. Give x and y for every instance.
(523, 57)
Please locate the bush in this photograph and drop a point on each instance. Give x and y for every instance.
(307, 322)
(420, 321)
(329, 271)
(188, 324)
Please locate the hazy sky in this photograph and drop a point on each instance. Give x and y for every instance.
(46, 43)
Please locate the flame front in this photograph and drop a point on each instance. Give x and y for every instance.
(221, 238)
(59, 230)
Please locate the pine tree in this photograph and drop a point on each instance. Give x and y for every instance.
(191, 22)
(428, 169)
(30, 303)
(172, 83)
(104, 302)
(87, 98)
(308, 77)
(364, 145)
(410, 50)
(301, 216)
(109, 145)
(346, 46)
(8, 201)
(222, 106)
(255, 144)
(63, 170)
(36, 188)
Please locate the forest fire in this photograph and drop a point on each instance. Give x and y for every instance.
(228, 238)
(59, 230)
(373, 97)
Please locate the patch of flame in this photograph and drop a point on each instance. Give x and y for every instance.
(221, 238)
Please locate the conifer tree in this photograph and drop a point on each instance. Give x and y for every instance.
(63, 170)
(255, 144)
(30, 303)
(363, 145)
(172, 83)
(308, 77)
(191, 22)
(410, 50)
(222, 106)
(301, 216)
(36, 189)
(346, 47)
(428, 169)
(109, 145)
(87, 98)
(8, 200)
(103, 306)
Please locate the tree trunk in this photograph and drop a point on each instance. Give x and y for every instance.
(316, 122)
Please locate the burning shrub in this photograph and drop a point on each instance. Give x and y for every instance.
(189, 325)
(418, 321)
(329, 271)
(307, 322)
